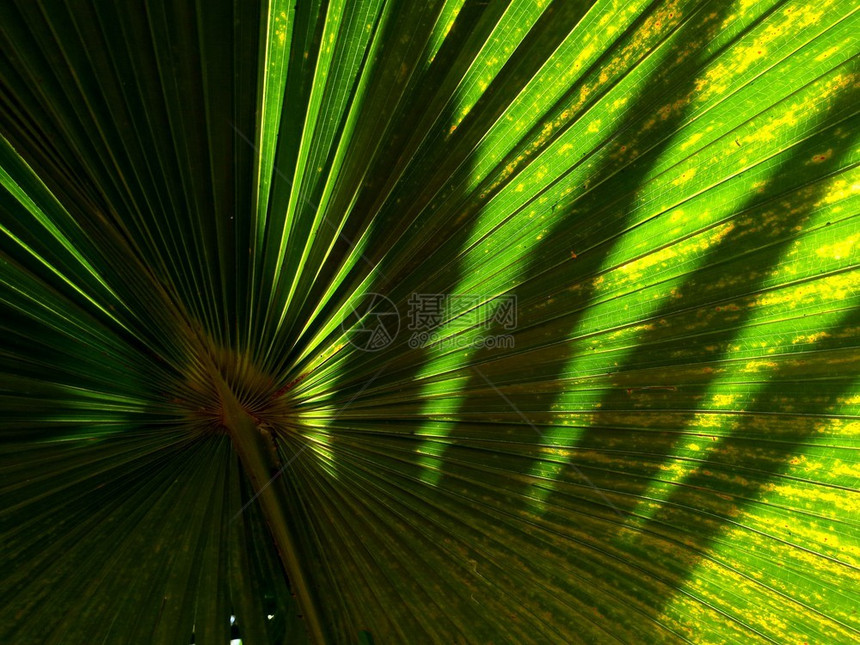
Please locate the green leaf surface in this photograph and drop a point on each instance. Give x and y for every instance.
(199, 203)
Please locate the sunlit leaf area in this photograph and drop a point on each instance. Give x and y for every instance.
(429, 321)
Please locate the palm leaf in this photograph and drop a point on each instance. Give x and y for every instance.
(212, 431)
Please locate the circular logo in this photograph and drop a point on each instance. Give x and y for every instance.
(372, 323)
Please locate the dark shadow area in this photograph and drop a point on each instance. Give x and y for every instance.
(127, 113)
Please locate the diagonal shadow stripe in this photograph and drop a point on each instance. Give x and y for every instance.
(550, 259)
(747, 463)
(754, 249)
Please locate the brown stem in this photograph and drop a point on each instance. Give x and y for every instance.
(257, 462)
